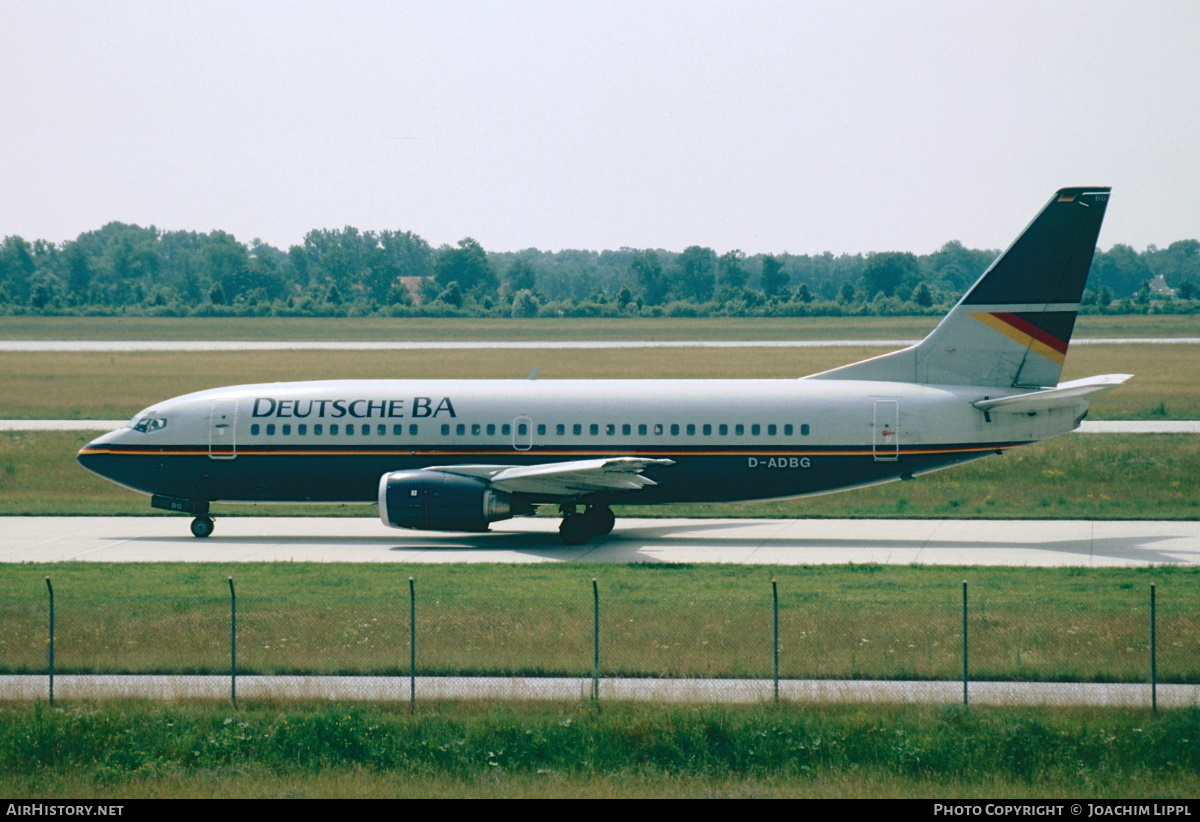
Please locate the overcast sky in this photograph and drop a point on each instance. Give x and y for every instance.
(769, 127)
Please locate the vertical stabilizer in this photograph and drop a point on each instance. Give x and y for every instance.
(1012, 328)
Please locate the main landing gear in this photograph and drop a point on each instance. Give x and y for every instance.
(595, 521)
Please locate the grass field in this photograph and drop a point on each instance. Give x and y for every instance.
(83, 385)
(757, 328)
(544, 751)
(836, 622)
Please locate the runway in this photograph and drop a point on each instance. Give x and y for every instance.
(1040, 543)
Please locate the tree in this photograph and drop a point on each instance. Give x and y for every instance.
(695, 273)
(521, 276)
(468, 266)
(228, 264)
(730, 271)
(524, 304)
(16, 268)
(888, 271)
(922, 296)
(773, 279)
(452, 295)
(647, 271)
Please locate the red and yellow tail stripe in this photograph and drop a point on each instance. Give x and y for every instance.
(1025, 333)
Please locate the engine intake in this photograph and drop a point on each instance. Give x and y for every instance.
(437, 501)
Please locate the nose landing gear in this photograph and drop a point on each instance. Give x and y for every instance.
(202, 527)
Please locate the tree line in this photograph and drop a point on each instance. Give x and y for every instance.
(124, 269)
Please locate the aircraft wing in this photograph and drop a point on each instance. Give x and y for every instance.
(562, 478)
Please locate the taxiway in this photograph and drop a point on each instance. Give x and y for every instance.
(1046, 543)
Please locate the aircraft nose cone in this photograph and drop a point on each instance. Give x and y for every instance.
(88, 457)
(94, 455)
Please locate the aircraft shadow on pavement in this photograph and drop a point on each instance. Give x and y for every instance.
(646, 544)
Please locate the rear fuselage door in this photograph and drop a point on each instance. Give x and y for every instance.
(885, 442)
(222, 430)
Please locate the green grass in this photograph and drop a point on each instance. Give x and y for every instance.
(96, 385)
(1078, 476)
(422, 328)
(464, 749)
(836, 622)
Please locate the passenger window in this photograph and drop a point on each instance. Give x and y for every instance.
(381, 429)
(626, 430)
(476, 429)
(560, 430)
(412, 430)
(270, 429)
(787, 430)
(641, 430)
(254, 430)
(739, 429)
(541, 429)
(445, 429)
(397, 430)
(522, 429)
(755, 430)
(707, 429)
(287, 429)
(349, 430)
(674, 429)
(804, 429)
(577, 428)
(771, 430)
(505, 429)
(595, 429)
(460, 429)
(302, 429)
(491, 429)
(610, 429)
(333, 429)
(691, 429)
(658, 429)
(723, 429)
(318, 429)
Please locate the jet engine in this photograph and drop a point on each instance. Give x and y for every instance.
(438, 501)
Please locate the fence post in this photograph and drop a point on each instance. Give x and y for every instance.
(232, 645)
(50, 650)
(595, 642)
(412, 646)
(965, 654)
(775, 635)
(1153, 655)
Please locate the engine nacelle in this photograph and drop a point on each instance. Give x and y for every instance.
(437, 501)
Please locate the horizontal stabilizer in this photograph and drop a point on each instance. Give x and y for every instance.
(1065, 394)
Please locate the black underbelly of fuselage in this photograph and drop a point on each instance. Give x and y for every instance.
(353, 475)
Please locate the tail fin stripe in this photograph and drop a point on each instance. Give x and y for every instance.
(1037, 329)
(1049, 347)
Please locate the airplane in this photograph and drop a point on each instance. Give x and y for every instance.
(458, 455)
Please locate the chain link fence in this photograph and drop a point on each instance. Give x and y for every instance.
(603, 641)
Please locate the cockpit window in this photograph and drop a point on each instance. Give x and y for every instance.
(146, 424)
